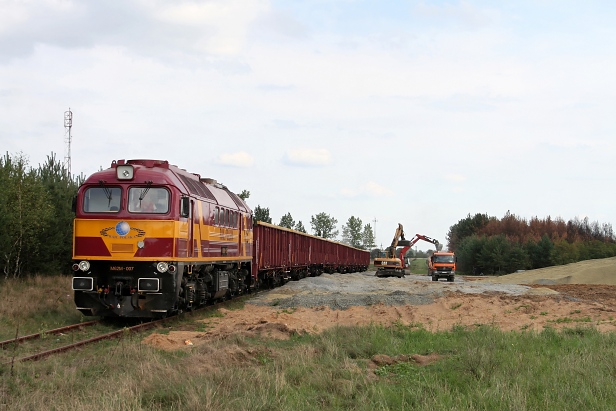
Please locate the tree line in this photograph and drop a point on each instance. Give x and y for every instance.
(35, 216)
(489, 245)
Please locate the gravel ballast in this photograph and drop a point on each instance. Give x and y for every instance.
(341, 291)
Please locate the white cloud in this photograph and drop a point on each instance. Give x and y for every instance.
(222, 26)
(370, 189)
(308, 157)
(463, 15)
(281, 23)
(458, 178)
(240, 159)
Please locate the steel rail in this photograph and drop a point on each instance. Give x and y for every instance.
(108, 336)
(115, 334)
(19, 340)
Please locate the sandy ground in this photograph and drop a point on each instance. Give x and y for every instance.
(581, 294)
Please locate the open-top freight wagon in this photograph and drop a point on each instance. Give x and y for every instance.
(282, 254)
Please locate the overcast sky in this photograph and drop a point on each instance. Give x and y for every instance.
(412, 112)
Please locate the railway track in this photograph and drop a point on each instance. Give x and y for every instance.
(19, 340)
(107, 336)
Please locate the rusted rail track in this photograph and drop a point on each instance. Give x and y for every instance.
(107, 336)
(19, 340)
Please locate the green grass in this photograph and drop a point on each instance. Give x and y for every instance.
(35, 304)
(479, 368)
(418, 266)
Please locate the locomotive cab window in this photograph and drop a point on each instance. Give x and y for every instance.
(102, 199)
(150, 200)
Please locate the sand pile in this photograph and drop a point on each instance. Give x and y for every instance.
(602, 271)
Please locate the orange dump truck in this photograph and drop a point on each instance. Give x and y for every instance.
(442, 265)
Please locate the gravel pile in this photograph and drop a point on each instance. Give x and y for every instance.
(341, 291)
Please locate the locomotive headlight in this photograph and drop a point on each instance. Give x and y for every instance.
(125, 172)
(162, 267)
(84, 265)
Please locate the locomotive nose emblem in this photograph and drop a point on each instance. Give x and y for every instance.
(122, 228)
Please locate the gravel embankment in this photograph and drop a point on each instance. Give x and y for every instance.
(341, 291)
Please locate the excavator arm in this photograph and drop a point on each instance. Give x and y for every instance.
(413, 241)
(398, 239)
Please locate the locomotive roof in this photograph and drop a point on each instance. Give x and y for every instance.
(161, 172)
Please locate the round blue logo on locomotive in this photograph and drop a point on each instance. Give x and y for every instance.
(122, 228)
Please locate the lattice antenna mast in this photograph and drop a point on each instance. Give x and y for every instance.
(68, 124)
(375, 221)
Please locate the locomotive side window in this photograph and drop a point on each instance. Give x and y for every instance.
(102, 199)
(148, 200)
(216, 216)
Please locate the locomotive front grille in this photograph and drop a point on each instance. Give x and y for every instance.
(122, 248)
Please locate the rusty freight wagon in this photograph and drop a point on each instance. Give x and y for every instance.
(281, 254)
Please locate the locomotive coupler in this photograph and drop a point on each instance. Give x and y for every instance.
(118, 288)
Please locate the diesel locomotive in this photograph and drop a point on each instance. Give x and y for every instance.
(151, 239)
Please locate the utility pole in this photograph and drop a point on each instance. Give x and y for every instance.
(68, 124)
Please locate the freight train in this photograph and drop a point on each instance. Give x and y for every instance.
(151, 240)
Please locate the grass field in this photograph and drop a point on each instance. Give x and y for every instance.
(418, 266)
(478, 369)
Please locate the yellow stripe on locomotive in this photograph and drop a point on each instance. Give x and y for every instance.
(158, 239)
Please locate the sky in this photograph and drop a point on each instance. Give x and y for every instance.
(411, 112)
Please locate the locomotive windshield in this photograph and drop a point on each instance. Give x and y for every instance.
(102, 199)
(148, 200)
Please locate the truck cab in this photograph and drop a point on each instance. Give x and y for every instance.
(442, 265)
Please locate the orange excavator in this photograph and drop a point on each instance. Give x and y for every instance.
(394, 263)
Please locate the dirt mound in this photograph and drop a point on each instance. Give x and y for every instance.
(521, 312)
(601, 271)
